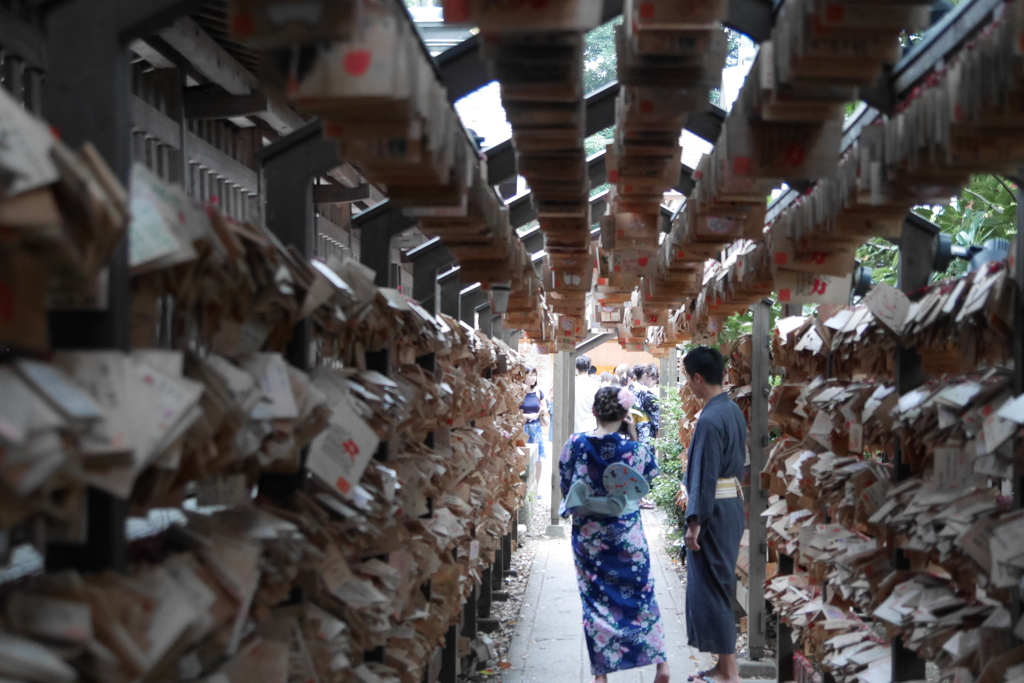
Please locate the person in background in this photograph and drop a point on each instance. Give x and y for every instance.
(592, 371)
(622, 374)
(714, 515)
(621, 619)
(586, 388)
(535, 410)
(607, 379)
(646, 377)
(645, 411)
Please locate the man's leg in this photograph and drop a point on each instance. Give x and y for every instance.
(726, 670)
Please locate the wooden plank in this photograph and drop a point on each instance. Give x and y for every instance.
(325, 226)
(205, 154)
(217, 64)
(337, 194)
(139, 19)
(347, 175)
(158, 125)
(153, 57)
(281, 118)
(208, 57)
(154, 123)
(207, 104)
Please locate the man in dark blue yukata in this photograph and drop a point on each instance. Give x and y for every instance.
(714, 516)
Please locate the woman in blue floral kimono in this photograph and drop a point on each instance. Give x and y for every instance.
(603, 470)
(646, 407)
(645, 411)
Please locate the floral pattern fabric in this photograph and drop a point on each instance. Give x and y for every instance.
(647, 403)
(621, 619)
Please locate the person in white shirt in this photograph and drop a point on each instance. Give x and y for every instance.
(586, 389)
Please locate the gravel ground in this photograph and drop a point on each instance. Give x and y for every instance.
(507, 612)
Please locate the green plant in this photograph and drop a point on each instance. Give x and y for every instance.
(986, 208)
(666, 486)
(738, 324)
(596, 143)
(599, 58)
(882, 256)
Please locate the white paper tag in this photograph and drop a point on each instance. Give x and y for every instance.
(856, 432)
(889, 305)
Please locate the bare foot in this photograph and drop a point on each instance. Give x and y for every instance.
(716, 677)
(662, 673)
(703, 675)
(601, 679)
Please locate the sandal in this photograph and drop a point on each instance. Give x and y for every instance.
(646, 504)
(701, 676)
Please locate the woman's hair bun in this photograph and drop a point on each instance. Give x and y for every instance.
(607, 405)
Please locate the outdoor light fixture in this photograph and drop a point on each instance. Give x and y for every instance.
(862, 281)
(995, 249)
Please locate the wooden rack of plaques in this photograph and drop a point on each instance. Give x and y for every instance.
(161, 128)
(916, 244)
(916, 249)
(164, 84)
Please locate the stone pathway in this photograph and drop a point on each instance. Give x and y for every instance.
(548, 644)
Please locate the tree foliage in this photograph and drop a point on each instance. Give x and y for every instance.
(986, 209)
(666, 486)
(599, 61)
(596, 143)
(599, 69)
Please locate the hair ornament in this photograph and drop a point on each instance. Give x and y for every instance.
(626, 398)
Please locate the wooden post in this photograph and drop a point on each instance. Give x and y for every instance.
(564, 391)
(377, 226)
(428, 260)
(497, 573)
(447, 292)
(1018, 319)
(90, 101)
(786, 565)
(1018, 364)
(450, 657)
(469, 614)
(485, 320)
(917, 246)
(506, 553)
(785, 638)
(483, 605)
(670, 378)
(760, 389)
